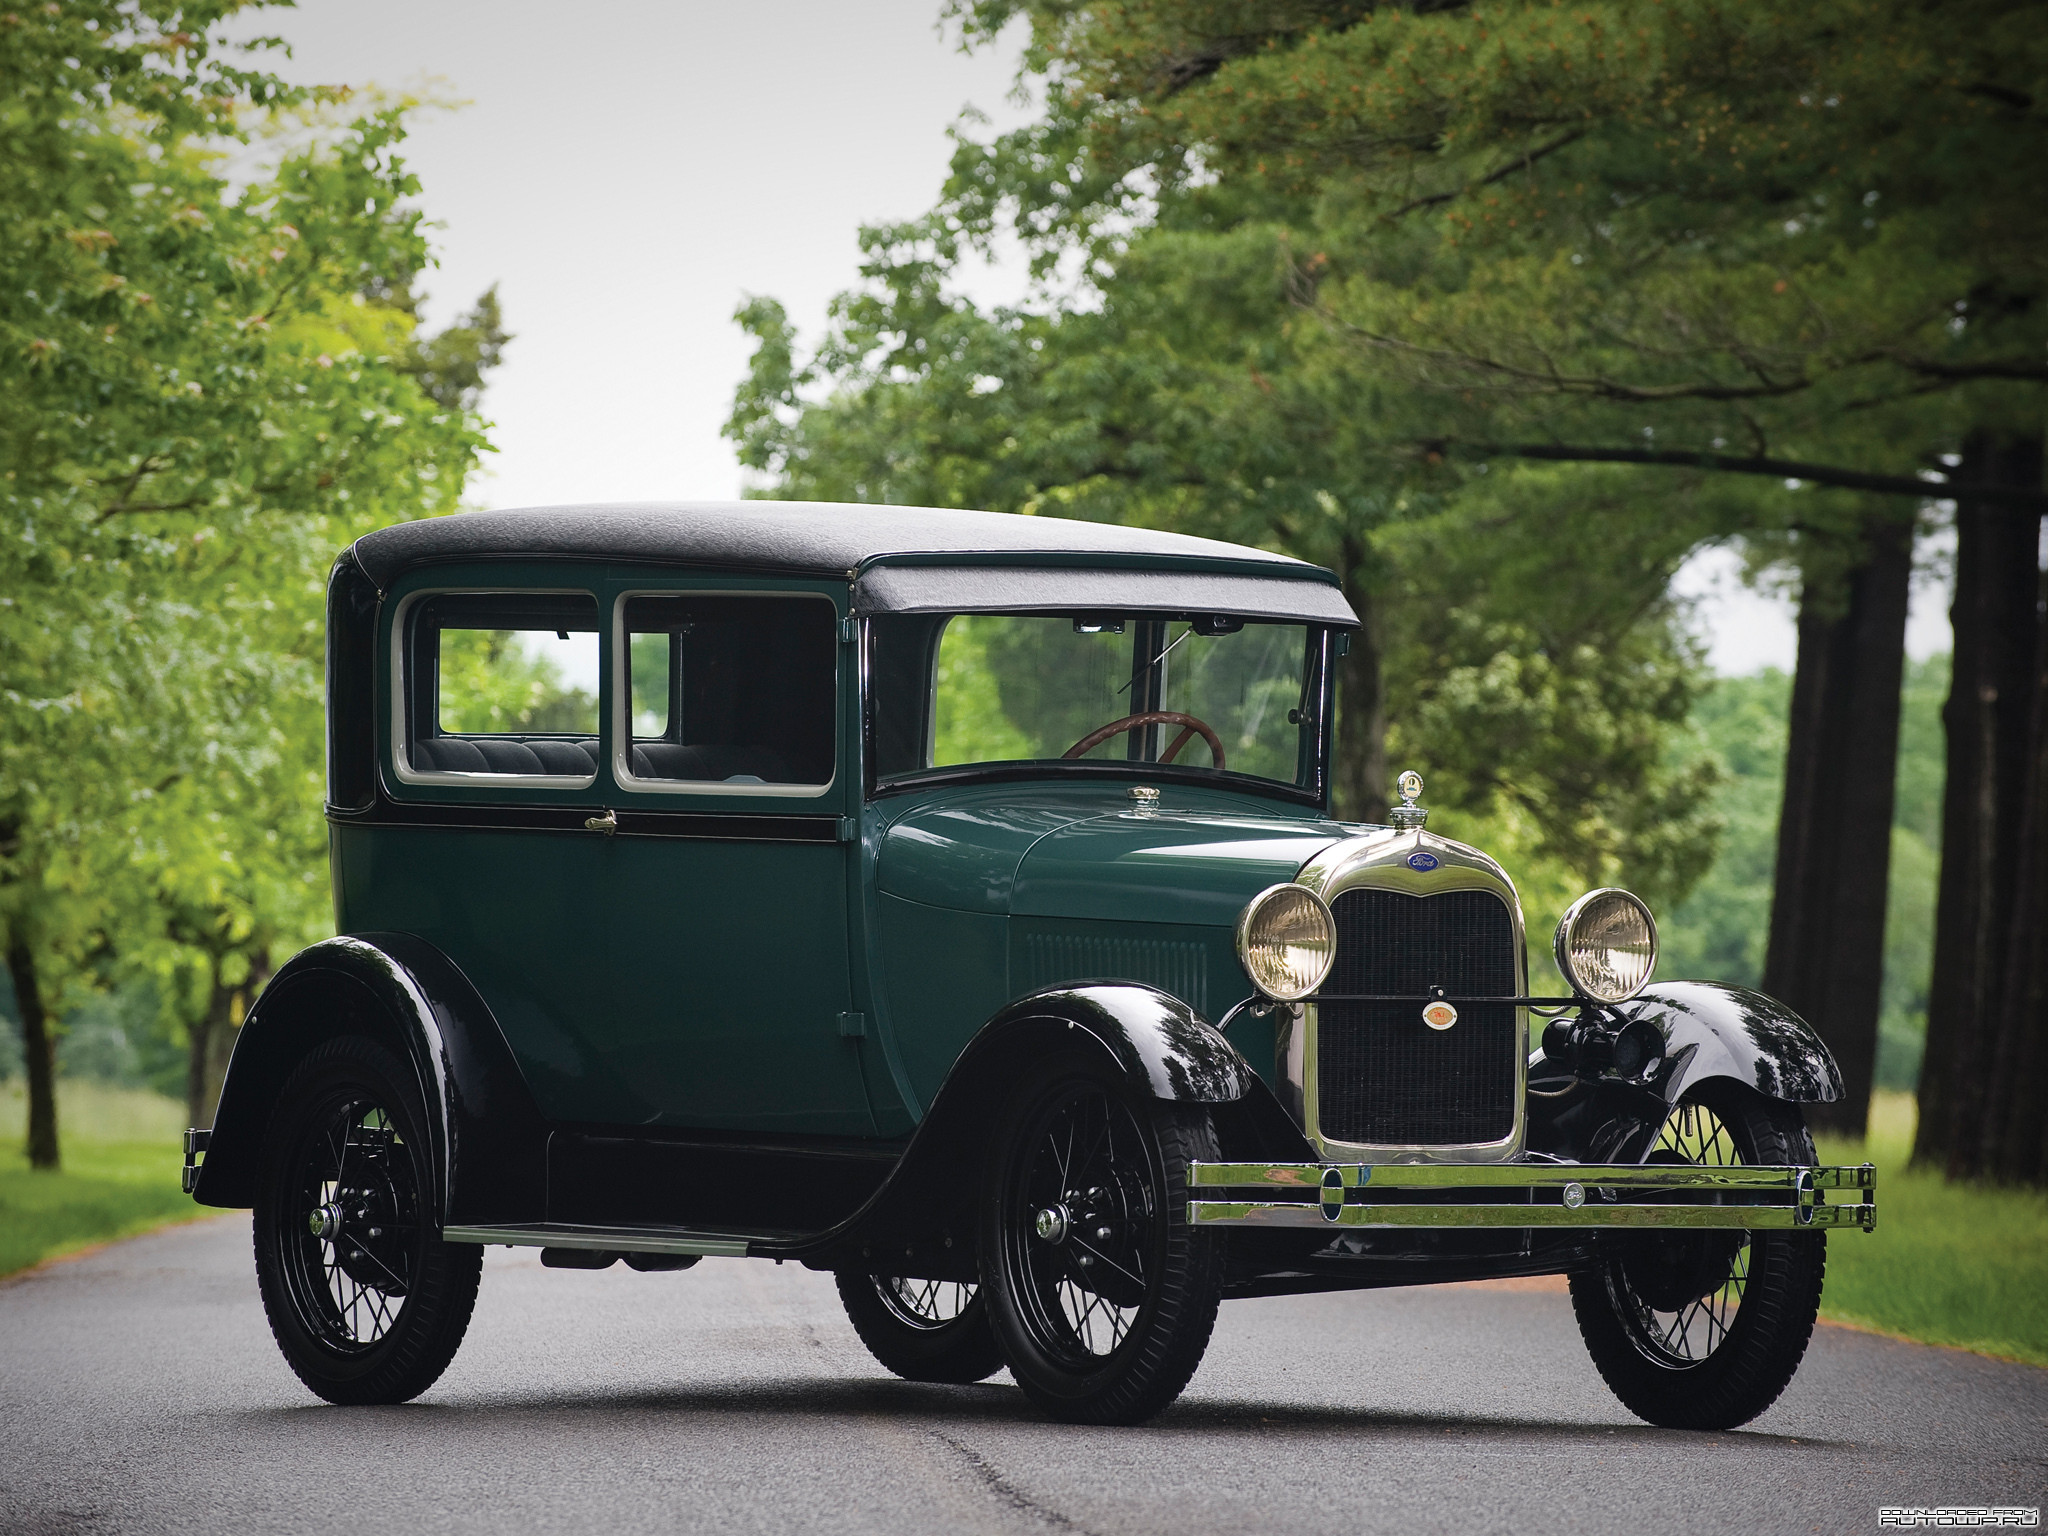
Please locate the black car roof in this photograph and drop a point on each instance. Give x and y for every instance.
(808, 537)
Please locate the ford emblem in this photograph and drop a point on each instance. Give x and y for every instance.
(1422, 861)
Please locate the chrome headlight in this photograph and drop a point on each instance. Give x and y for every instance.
(1607, 946)
(1286, 941)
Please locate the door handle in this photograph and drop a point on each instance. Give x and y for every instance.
(608, 823)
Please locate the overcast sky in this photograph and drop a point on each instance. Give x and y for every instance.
(627, 171)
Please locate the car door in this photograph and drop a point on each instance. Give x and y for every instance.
(492, 766)
(726, 903)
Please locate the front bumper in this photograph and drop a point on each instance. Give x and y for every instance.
(1450, 1195)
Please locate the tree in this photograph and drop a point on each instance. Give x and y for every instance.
(1987, 1028)
(202, 393)
(1828, 915)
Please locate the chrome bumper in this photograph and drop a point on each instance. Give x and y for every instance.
(1753, 1198)
(195, 1155)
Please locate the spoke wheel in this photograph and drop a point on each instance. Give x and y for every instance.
(1101, 1295)
(367, 1304)
(352, 1268)
(1702, 1330)
(1677, 1293)
(926, 1305)
(923, 1330)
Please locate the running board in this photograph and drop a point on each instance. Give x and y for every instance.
(714, 1245)
(1750, 1197)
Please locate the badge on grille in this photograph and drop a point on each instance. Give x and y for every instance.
(1439, 1015)
(1424, 861)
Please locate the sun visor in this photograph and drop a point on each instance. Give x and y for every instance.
(1030, 589)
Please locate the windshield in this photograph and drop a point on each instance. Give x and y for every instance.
(1205, 694)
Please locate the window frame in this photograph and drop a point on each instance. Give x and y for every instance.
(1321, 653)
(621, 716)
(399, 675)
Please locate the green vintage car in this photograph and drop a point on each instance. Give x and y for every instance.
(952, 901)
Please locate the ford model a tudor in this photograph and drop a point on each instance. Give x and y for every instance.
(952, 901)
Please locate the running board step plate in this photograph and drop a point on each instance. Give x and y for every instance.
(715, 1245)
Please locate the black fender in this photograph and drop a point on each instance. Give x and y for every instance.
(1714, 1030)
(1164, 1047)
(923, 1215)
(1709, 1031)
(490, 1140)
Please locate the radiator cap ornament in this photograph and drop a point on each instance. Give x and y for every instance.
(1409, 816)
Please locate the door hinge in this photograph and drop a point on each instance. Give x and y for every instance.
(849, 829)
(849, 629)
(853, 1026)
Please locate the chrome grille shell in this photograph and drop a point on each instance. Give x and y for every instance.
(1378, 859)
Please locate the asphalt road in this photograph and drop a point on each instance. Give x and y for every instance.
(140, 1391)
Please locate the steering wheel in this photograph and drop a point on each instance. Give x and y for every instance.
(1190, 728)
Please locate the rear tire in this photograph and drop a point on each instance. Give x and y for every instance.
(365, 1300)
(1101, 1294)
(1703, 1330)
(923, 1330)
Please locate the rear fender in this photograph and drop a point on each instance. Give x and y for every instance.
(489, 1139)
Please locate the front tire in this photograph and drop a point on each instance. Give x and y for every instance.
(365, 1300)
(1702, 1330)
(1101, 1294)
(923, 1330)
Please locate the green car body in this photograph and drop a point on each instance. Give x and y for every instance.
(783, 980)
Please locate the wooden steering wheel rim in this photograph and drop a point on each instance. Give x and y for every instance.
(1190, 728)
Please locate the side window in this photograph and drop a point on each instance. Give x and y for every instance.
(731, 689)
(502, 683)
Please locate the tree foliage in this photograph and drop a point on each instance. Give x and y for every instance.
(1690, 230)
(205, 388)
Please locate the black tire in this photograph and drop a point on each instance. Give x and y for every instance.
(1702, 1330)
(1104, 1320)
(923, 1330)
(364, 1299)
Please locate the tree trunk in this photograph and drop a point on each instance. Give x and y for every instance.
(1986, 718)
(1359, 774)
(2015, 1136)
(1826, 953)
(37, 1048)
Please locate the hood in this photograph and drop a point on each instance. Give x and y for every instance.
(1088, 861)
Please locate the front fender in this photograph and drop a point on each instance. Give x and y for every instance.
(1158, 1044)
(1712, 1030)
(1162, 1044)
(490, 1141)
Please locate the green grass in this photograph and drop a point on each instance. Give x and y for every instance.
(121, 1149)
(1958, 1264)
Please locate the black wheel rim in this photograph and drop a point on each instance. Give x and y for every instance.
(926, 1305)
(349, 1225)
(1684, 1331)
(1081, 1224)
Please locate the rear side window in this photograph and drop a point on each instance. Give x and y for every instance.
(732, 690)
(503, 684)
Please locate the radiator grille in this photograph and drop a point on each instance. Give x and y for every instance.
(1384, 1077)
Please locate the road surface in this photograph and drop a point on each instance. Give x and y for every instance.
(140, 1391)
